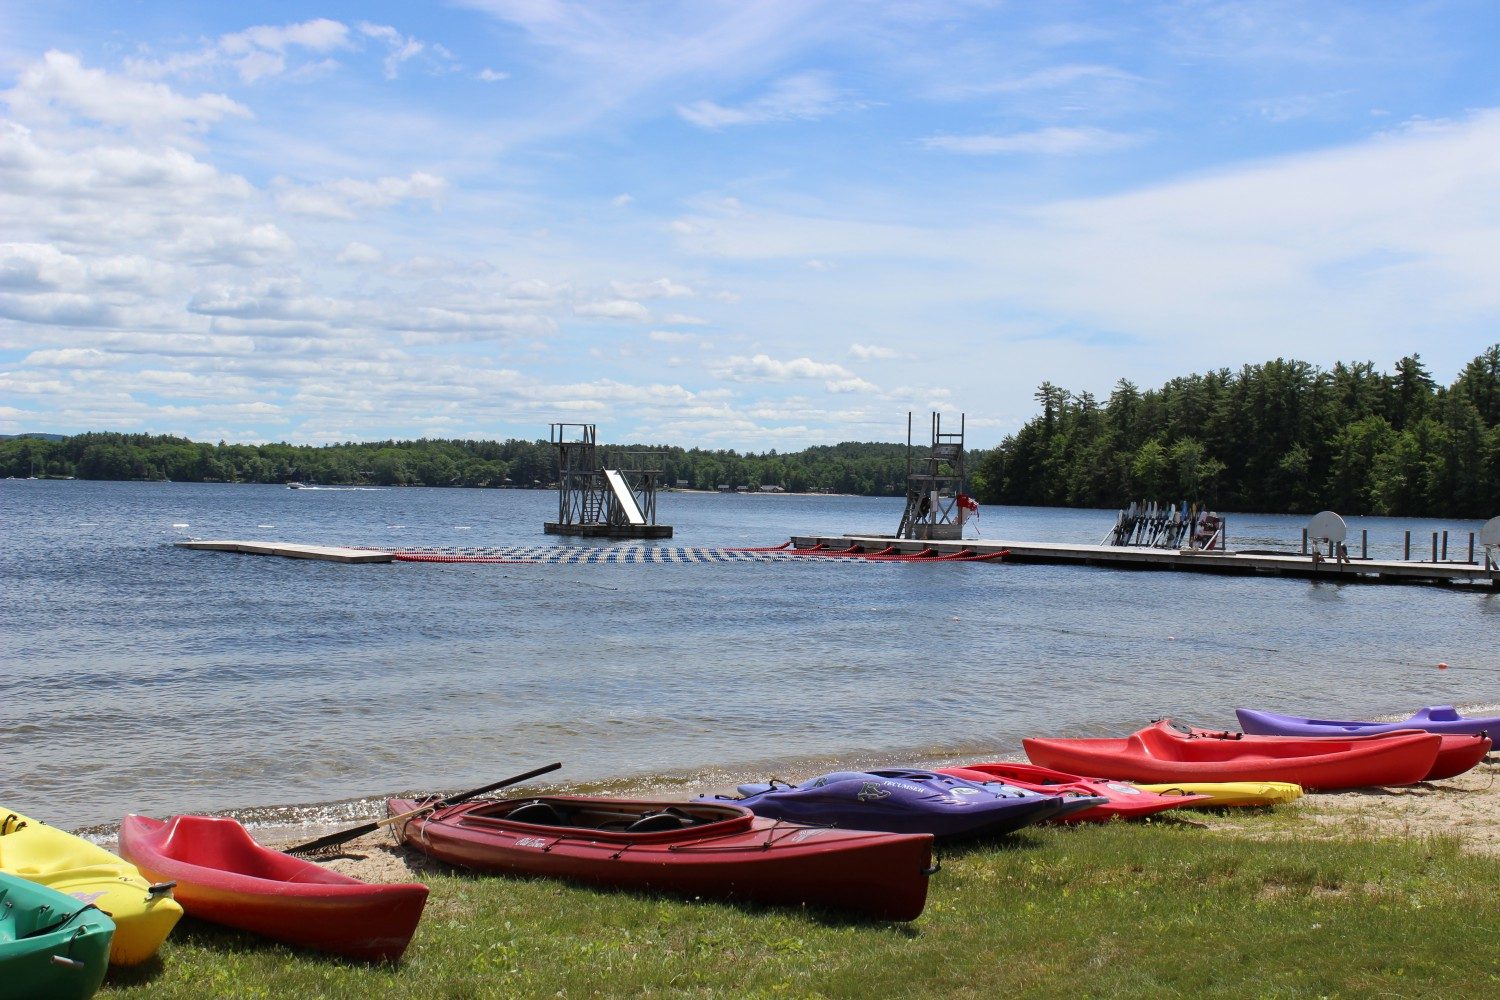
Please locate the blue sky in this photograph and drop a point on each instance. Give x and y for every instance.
(743, 224)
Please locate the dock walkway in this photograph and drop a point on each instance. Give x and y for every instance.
(292, 550)
(1190, 560)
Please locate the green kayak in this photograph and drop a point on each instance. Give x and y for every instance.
(51, 945)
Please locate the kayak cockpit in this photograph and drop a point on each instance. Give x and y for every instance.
(611, 817)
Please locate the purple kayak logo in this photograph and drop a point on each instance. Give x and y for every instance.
(87, 897)
(871, 792)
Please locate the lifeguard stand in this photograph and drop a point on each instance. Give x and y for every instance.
(933, 485)
(596, 501)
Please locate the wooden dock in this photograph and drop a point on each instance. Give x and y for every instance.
(292, 550)
(1185, 560)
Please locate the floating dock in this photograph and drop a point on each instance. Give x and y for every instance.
(292, 550)
(1188, 560)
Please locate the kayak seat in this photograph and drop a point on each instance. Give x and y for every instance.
(540, 813)
(658, 822)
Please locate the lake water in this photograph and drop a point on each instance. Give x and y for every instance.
(135, 676)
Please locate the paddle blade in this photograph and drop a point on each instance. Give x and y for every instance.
(344, 836)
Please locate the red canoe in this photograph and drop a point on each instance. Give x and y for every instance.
(1457, 753)
(694, 849)
(224, 876)
(1125, 801)
(1167, 752)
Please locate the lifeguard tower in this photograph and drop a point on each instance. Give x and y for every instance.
(934, 485)
(595, 501)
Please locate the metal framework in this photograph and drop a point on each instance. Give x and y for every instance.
(933, 512)
(587, 503)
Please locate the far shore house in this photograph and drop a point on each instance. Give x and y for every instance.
(773, 489)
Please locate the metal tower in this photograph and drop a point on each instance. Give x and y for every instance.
(933, 512)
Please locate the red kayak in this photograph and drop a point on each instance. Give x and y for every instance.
(1125, 801)
(1456, 754)
(1167, 751)
(224, 876)
(694, 849)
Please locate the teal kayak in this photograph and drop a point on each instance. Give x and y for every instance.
(51, 945)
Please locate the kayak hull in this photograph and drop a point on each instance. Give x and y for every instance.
(903, 800)
(1457, 752)
(225, 877)
(1163, 754)
(1122, 800)
(87, 872)
(1442, 719)
(727, 853)
(1214, 795)
(51, 945)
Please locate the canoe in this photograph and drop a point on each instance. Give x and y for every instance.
(143, 909)
(1216, 794)
(225, 877)
(1456, 754)
(51, 945)
(1442, 719)
(1122, 800)
(711, 850)
(903, 800)
(1168, 752)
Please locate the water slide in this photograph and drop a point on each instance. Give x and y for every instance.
(624, 497)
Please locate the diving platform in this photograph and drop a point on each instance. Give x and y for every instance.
(293, 550)
(1312, 566)
(603, 496)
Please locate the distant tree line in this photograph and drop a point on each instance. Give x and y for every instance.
(862, 468)
(1280, 437)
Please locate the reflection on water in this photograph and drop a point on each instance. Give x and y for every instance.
(143, 677)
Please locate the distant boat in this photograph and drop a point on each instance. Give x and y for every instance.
(295, 486)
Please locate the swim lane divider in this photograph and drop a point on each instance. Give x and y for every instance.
(533, 555)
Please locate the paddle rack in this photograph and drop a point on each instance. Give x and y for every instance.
(595, 499)
(933, 485)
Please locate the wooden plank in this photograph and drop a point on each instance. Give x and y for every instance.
(292, 550)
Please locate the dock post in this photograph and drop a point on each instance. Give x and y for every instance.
(1304, 541)
(1407, 555)
(1471, 546)
(1434, 546)
(1364, 543)
(1445, 545)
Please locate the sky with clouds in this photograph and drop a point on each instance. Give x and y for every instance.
(730, 224)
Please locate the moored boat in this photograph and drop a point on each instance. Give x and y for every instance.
(713, 850)
(904, 800)
(1122, 800)
(51, 945)
(1444, 719)
(225, 877)
(1167, 752)
(143, 909)
(1219, 794)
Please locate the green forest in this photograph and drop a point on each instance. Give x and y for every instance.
(1279, 437)
(869, 469)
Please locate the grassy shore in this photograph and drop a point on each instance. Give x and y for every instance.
(1248, 904)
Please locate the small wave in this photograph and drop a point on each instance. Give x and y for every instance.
(181, 525)
(461, 527)
(265, 525)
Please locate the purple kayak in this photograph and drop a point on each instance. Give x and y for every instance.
(906, 801)
(1442, 719)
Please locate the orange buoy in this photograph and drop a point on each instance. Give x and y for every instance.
(1442, 666)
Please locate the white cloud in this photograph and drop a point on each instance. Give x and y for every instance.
(672, 337)
(763, 368)
(341, 199)
(612, 309)
(1054, 140)
(61, 83)
(622, 200)
(805, 96)
(872, 352)
(852, 384)
(661, 288)
(359, 253)
(492, 75)
(684, 319)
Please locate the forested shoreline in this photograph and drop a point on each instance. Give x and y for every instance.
(1279, 437)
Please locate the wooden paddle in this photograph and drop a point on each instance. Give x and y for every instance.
(344, 836)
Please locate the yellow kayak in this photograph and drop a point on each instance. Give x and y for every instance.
(1231, 793)
(143, 913)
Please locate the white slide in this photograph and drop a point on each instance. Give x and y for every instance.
(624, 497)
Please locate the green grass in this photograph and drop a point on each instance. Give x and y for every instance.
(1163, 910)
